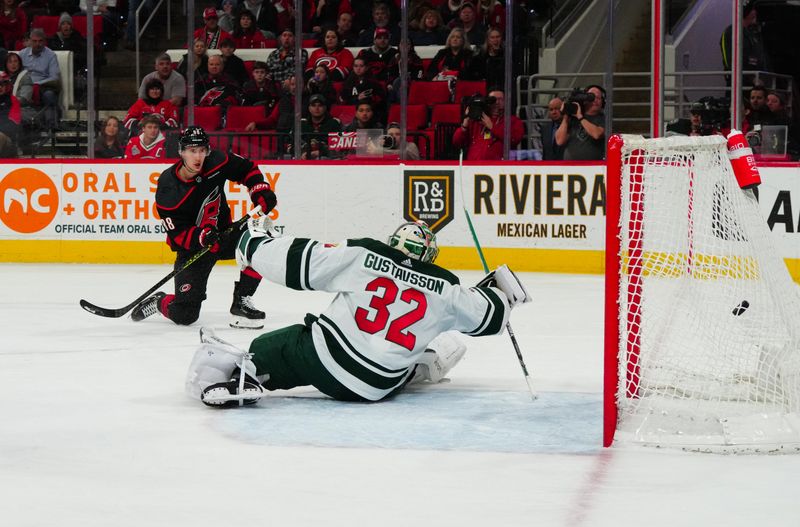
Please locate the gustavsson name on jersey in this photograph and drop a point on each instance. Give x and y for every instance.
(385, 265)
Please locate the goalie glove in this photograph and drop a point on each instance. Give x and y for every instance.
(261, 194)
(259, 230)
(506, 281)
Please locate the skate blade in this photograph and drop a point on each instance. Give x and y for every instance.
(221, 395)
(246, 323)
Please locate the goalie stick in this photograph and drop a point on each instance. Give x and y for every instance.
(116, 313)
(486, 270)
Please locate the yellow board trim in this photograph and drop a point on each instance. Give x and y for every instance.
(466, 258)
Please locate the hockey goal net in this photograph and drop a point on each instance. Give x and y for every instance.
(702, 348)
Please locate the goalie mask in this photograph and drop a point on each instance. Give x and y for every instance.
(415, 240)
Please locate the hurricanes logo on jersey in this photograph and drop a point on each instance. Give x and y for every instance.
(428, 196)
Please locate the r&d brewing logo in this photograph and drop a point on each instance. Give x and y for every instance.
(29, 200)
(428, 196)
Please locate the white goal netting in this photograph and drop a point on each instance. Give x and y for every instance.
(709, 348)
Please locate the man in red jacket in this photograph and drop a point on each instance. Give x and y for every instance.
(482, 131)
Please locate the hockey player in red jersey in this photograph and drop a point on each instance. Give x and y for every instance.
(390, 323)
(150, 143)
(191, 202)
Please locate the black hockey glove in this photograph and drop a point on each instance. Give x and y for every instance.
(209, 237)
(262, 195)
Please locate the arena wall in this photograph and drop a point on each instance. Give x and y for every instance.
(545, 217)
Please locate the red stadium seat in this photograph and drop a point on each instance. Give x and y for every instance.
(310, 43)
(271, 43)
(416, 115)
(468, 88)
(209, 117)
(240, 116)
(429, 92)
(248, 66)
(48, 24)
(344, 112)
(446, 113)
(79, 23)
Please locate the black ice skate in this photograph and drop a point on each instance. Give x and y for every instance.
(147, 307)
(245, 315)
(236, 392)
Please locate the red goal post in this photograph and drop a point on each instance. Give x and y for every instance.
(702, 349)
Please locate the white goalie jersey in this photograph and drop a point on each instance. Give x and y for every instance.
(389, 307)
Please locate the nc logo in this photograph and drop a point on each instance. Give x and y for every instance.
(29, 200)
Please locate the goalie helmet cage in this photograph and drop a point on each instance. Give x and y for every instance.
(701, 338)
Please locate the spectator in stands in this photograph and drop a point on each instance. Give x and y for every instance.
(758, 112)
(266, 15)
(431, 30)
(42, 64)
(10, 118)
(211, 33)
(174, 83)
(364, 118)
(152, 104)
(381, 59)
(344, 28)
(551, 150)
(416, 10)
(233, 65)
(67, 39)
(359, 86)
(778, 109)
(484, 136)
(337, 58)
(381, 19)
(281, 61)
(489, 63)
(320, 84)
(261, 90)
(474, 30)
(582, 131)
(281, 118)
(315, 128)
(150, 143)
(284, 10)
(416, 71)
(492, 13)
(450, 10)
(754, 54)
(326, 14)
(412, 150)
(23, 85)
(362, 13)
(110, 143)
(13, 24)
(33, 8)
(110, 31)
(454, 60)
(200, 62)
(246, 33)
(216, 88)
(227, 17)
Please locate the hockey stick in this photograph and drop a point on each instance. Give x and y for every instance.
(486, 270)
(116, 313)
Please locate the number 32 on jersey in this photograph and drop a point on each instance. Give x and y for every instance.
(387, 294)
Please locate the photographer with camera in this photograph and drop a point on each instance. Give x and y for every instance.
(482, 132)
(391, 143)
(582, 131)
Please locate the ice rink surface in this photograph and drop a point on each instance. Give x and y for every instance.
(95, 429)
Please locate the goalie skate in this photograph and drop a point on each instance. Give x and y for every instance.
(236, 392)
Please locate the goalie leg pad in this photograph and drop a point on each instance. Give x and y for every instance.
(442, 354)
(509, 283)
(215, 363)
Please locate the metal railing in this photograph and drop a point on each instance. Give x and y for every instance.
(631, 94)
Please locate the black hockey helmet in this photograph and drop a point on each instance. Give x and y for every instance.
(193, 136)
